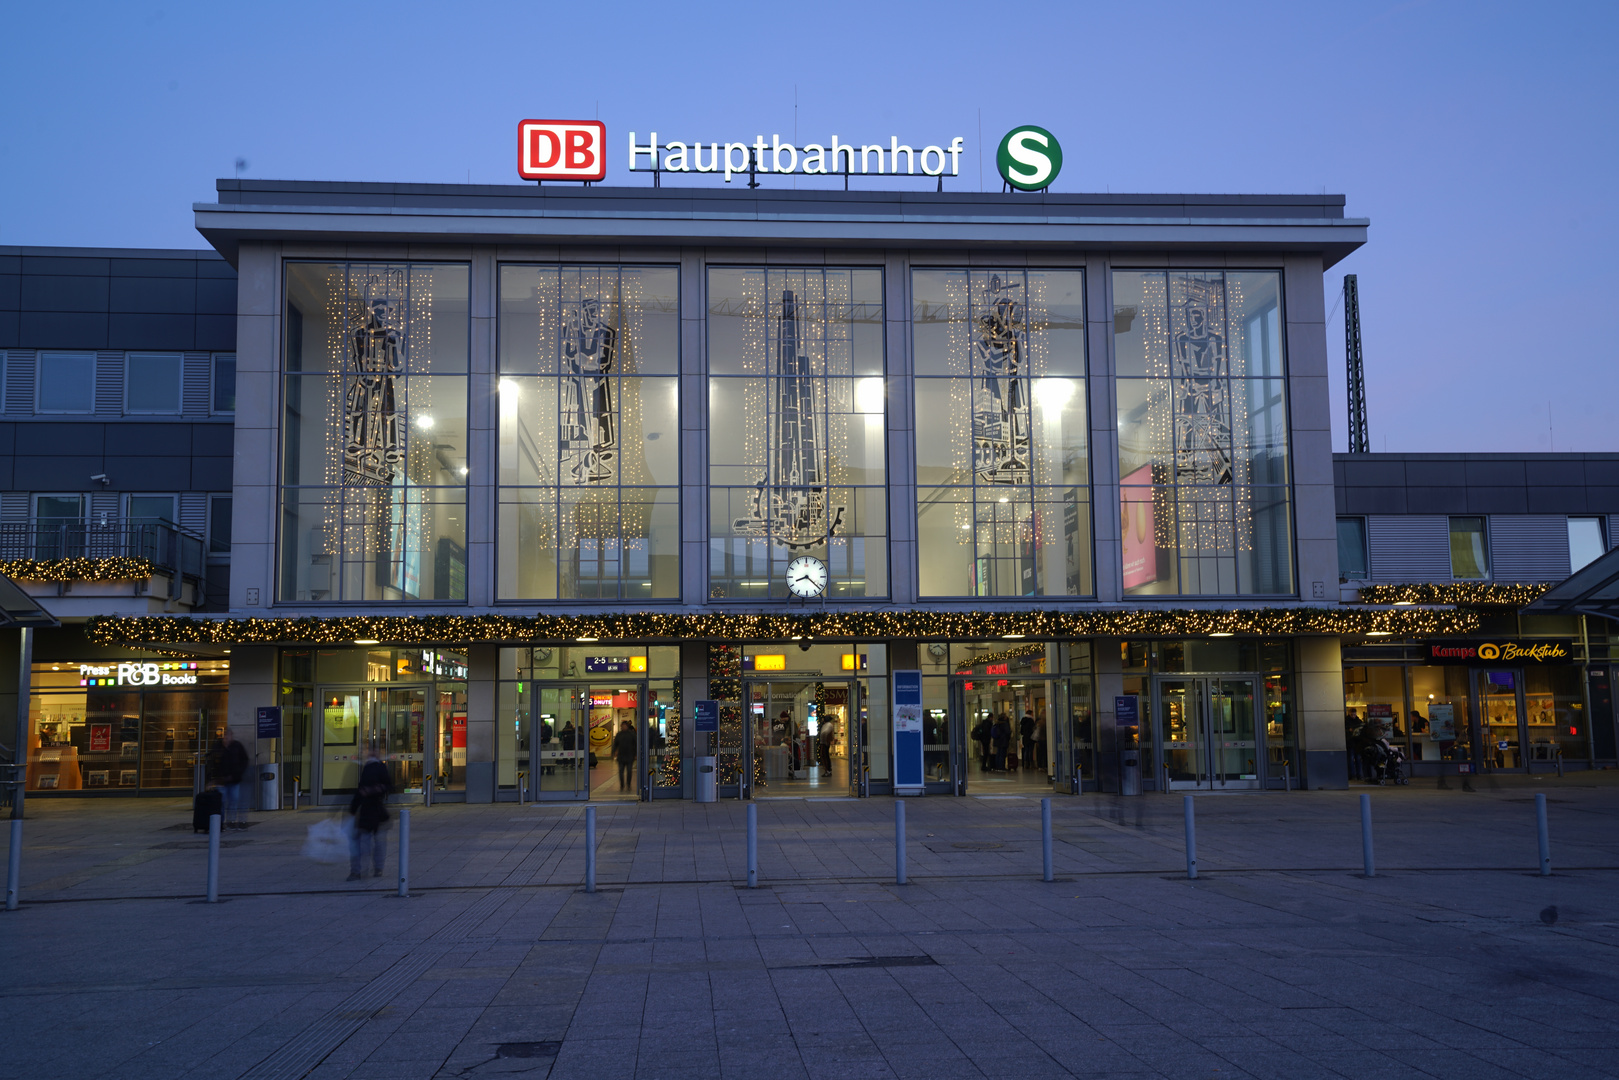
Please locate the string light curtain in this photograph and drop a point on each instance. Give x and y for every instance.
(589, 502)
(1003, 479)
(374, 446)
(1202, 414)
(797, 410)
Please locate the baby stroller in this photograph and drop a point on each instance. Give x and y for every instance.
(1385, 762)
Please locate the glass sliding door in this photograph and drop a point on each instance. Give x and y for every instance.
(398, 722)
(590, 741)
(1207, 732)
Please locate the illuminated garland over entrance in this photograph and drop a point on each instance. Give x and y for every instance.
(111, 568)
(1460, 594)
(844, 625)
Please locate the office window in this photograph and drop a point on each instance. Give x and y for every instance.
(58, 526)
(219, 508)
(1585, 541)
(374, 432)
(152, 383)
(1352, 548)
(589, 489)
(149, 509)
(1003, 476)
(66, 383)
(1469, 550)
(225, 384)
(1202, 415)
(797, 400)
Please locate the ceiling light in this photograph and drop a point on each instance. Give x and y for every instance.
(584, 639)
(1404, 603)
(1012, 635)
(1219, 634)
(424, 422)
(1379, 633)
(366, 641)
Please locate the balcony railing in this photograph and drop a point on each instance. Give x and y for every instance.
(173, 552)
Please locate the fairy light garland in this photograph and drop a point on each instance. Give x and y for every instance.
(112, 568)
(1458, 594)
(839, 625)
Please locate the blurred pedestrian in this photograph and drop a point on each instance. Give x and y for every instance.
(369, 809)
(624, 754)
(1001, 736)
(227, 765)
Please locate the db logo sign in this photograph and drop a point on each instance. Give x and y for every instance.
(561, 150)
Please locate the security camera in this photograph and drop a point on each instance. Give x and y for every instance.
(101, 477)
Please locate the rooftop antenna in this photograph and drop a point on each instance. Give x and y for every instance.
(1359, 442)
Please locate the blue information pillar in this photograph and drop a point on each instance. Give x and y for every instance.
(908, 774)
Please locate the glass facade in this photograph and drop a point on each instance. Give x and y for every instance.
(1202, 415)
(589, 433)
(1003, 478)
(797, 439)
(374, 433)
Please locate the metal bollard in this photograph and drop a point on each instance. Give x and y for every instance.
(1559, 762)
(1287, 775)
(1368, 864)
(427, 789)
(296, 783)
(14, 866)
(753, 846)
(1045, 840)
(590, 849)
(213, 859)
(404, 851)
(1191, 840)
(1543, 836)
(899, 841)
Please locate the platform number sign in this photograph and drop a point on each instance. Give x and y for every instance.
(562, 150)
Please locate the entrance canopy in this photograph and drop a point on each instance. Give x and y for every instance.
(1591, 590)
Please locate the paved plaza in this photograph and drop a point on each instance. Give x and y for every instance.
(1281, 960)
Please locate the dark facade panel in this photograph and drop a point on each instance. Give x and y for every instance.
(159, 268)
(61, 330)
(1602, 472)
(1557, 500)
(1366, 471)
(64, 437)
(161, 439)
(10, 292)
(1496, 473)
(175, 333)
(10, 264)
(153, 295)
(92, 266)
(1497, 500)
(1435, 473)
(213, 265)
(213, 474)
(44, 293)
(216, 333)
(8, 329)
(216, 296)
(1437, 500)
(8, 438)
(1554, 472)
(151, 473)
(58, 473)
(1374, 500)
(213, 440)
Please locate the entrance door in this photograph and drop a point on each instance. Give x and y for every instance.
(1014, 733)
(577, 729)
(792, 737)
(397, 720)
(1206, 732)
(1500, 701)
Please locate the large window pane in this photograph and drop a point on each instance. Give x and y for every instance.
(67, 382)
(1352, 547)
(152, 383)
(798, 404)
(589, 438)
(1203, 451)
(1585, 541)
(1001, 409)
(374, 439)
(1469, 553)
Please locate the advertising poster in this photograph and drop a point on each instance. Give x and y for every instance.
(100, 738)
(1442, 723)
(1138, 528)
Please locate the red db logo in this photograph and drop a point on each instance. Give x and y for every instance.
(561, 150)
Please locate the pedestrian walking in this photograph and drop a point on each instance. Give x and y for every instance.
(227, 765)
(369, 809)
(1001, 737)
(980, 736)
(624, 754)
(1026, 731)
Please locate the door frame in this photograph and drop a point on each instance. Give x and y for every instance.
(859, 783)
(1201, 681)
(1059, 712)
(640, 684)
(430, 735)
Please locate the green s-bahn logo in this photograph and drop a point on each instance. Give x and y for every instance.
(1029, 158)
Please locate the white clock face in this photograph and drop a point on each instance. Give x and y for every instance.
(806, 576)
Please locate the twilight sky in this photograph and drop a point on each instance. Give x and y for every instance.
(1479, 138)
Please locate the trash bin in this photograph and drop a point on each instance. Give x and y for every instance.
(708, 789)
(270, 788)
(1130, 772)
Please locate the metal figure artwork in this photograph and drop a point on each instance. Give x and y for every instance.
(1202, 398)
(790, 501)
(1000, 419)
(373, 430)
(588, 439)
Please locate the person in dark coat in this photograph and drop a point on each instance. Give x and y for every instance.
(624, 754)
(369, 808)
(227, 766)
(1001, 736)
(980, 737)
(1026, 732)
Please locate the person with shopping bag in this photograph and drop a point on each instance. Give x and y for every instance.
(369, 809)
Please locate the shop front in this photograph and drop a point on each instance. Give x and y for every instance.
(127, 726)
(1470, 705)
(340, 705)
